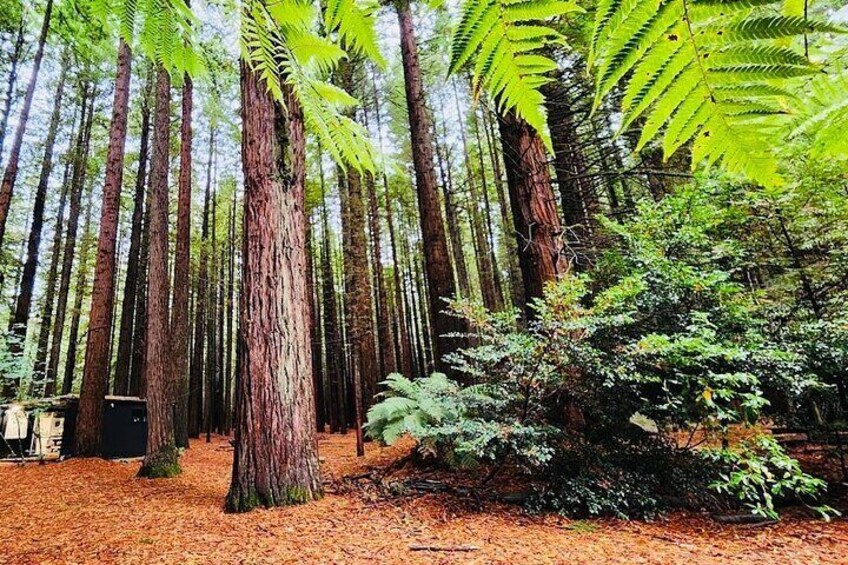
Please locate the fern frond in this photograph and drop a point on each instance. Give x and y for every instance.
(505, 39)
(704, 72)
(355, 24)
(823, 118)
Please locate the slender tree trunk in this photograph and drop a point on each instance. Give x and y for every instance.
(95, 381)
(80, 289)
(515, 282)
(129, 324)
(14, 61)
(437, 261)
(533, 206)
(332, 337)
(182, 262)
(20, 320)
(138, 366)
(452, 215)
(161, 459)
(485, 269)
(196, 404)
(276, 457)
(47, 310)
(312, 284)
(11, 174)
(230, 308)
(77, 183)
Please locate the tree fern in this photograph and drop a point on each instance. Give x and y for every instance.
(823, 118)
(280, 42)
(710, 72)
(502, 41)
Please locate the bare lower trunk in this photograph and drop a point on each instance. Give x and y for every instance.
(534, 210)
(77, 181)
(7, 185)
(436, 258)
(276, 459)
(161, 459)
(20, 319)
(180, 314)
(14, 62)
(129, 324)
(95, 382)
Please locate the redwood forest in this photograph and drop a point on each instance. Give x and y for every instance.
(449, 281)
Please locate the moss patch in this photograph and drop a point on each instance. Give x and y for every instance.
(162, 465)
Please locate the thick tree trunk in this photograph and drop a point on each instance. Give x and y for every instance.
(7, 186)
(14, 61)
(182, 262)
(77, 181)
(20, 319)
(577, 191)
(276, 456)
(384, 328)
(95, 381)
(534, 210)
(161, 459)
(436, 258)
(129, 324)
(197, 369)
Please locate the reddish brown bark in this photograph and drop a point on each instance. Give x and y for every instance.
(436, 258)
(7, 185)
(534, 212)
(95, 381)
(179, 316)
(197, 369)
(332, 334)
(129, 323)
(77, 181)
(276, 458)
(161, 459)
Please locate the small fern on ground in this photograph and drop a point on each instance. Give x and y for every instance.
(502, 43)
(710, 72)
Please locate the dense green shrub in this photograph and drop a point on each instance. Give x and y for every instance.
(663, 336)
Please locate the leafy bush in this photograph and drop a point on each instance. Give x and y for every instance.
(759, 471)
(662, 337)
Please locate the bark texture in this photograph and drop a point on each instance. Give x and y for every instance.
(161, 459)
(534, 212)
(436, 258)
(180, 314)
(95, 381)
(276, 458)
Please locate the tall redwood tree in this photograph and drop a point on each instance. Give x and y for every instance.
(276, 457)
(95, 381)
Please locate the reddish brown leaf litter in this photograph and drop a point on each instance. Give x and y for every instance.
(94, 511)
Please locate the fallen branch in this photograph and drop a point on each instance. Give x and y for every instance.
(449, 548)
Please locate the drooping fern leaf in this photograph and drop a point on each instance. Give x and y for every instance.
(823, 118)
(709, 72)
(354, 22)
(279, 41)
(503, 40)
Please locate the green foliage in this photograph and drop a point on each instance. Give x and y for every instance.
(711, 72)
(504, 40)
(279, 41)
(759, 472)
(824, 116)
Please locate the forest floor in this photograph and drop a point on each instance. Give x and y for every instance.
(86, 511)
